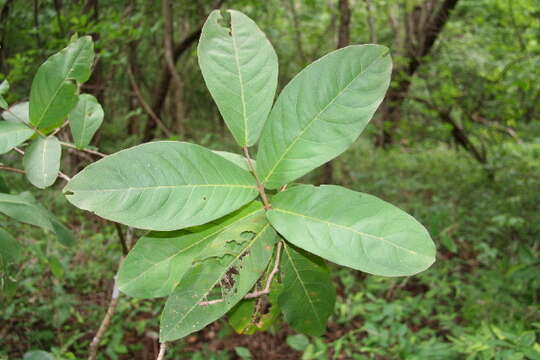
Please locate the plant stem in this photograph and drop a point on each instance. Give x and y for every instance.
(122, 238)
(260, 186)
(106, 322)
(275, 270)
(162, 350)
(93, 152)
(7, 168)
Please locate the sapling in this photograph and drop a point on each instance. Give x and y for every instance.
(228, 228)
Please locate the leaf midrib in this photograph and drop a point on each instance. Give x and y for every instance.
(348, 228)
(165, 187)
(308, 125)
(285, 247)
(241, 81)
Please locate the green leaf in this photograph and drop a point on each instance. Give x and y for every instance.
(42, 161)
(63, 234)
(352, 229)
(85, 119)
(308, 295)
(240, 68)
(3, 185)
(4, 87)
(243, 353)
(236, 159)
(298, 342)
(38, 355)
(10, 249)
(321, 112)
(22, 208)
(158, 261)
(55, 266)
(13, 134)
(164, 185)
(224, 271)
(54, 88)
(17, 113)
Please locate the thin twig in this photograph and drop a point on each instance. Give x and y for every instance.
(256, 294)
(63, 176)
(260, 186)
(7, 168)
(106, 322)
(122, 238)
(145, 106)
(93, 152)
(26, 123)
(169, 41)
(162, 350)
(275, 270)
(60, 128)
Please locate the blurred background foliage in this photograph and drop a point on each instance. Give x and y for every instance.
(456, 143)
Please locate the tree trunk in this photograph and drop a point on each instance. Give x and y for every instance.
(162, 87)
(344, 38)
(423, 26)
(4, 14)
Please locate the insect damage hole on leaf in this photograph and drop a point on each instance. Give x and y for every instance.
(225, 20)
(247, 235)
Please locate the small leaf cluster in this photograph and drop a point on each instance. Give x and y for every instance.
(32, 125)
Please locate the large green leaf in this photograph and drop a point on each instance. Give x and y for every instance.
(85, 119)
(308, 295)
(13, 134)
(42, 161)
(240, 69)
(159, 260)
(321, 112)
(10, 249)
(164, 185)
(352, 229)
(225, 270)
(54, 88)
